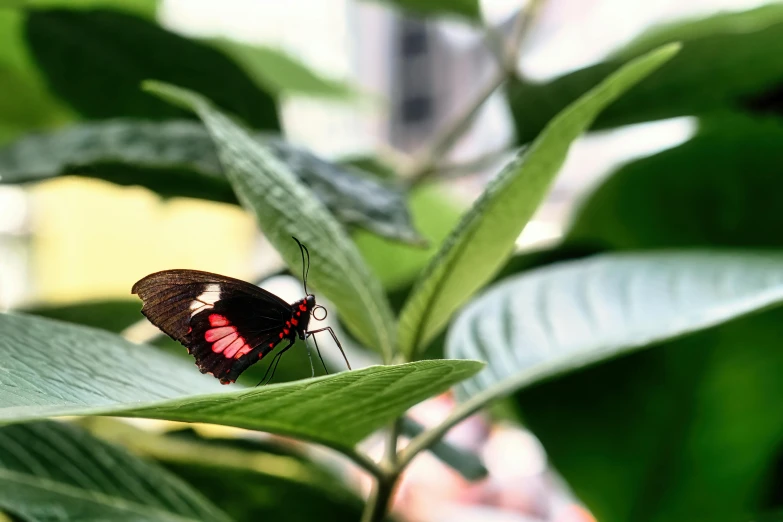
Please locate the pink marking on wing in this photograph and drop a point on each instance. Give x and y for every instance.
(218, 320)
(224, 342)
(233, 348)
(218, 333)
(242, 351)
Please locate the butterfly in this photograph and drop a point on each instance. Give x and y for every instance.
(228, 324)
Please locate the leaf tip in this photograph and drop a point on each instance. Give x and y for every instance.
(178, 96)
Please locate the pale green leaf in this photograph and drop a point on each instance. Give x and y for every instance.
(56, 471)
(285, 208)
(485, 238)
(50, 368)
(560, 318)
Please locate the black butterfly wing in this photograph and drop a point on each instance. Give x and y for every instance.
(225, 323)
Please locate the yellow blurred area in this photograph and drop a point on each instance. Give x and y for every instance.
(93, 239)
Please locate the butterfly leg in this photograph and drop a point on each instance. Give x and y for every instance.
(340, 346)
(318, 350)
(310, 356)
(273, 365)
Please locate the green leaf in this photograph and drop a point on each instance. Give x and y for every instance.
(282, 74)
(721, 188)
(54, 369)
(728, 61)
(285, 208)
(126, 50)
(177, 158)
(56, 471)
(560, 318)
(485, 238)
(258, 478)
(650, 436)
(468, 9)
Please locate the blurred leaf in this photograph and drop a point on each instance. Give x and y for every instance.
(25, 103)
(241, 464)
(485, 238)
(435, 214)
(54, 369)
(728, 61)
(282, 74)
(465, 8)
(560, 318)
(255, 496)
(111, 315)
(54, 471)
(286, 208)
(690, 430)
(117, 52)
(177, 158)
(721, 188)
(466, 463)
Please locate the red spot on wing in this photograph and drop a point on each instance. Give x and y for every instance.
(298, 313)
(302, 307)
(294, 322)
(234, 348)
(225, 342)
(285, 331)
(218, 320)
(281, 335)
(271, 345)
(218, 333)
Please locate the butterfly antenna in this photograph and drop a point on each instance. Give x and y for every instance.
(305, 266)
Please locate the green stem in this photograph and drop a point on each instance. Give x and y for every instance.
(380, 500)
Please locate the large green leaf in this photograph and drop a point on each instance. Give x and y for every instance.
(728, 61)
(562, 317)
(286, 208)
(177, 158)
(468, 9)
(485, 238)
(55, 471)
(54, 369)
(96, 59)
(721, 188)
(649, 436)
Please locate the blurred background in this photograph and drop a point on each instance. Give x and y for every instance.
(369, 83)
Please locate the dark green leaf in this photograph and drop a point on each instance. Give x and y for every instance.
(689, 430)
(54, 369)
(485, 238)
(96, 61)
(721, 188)
(469, 9)
(728, 61)
(177, 158)
(286, 208)
(55, 471)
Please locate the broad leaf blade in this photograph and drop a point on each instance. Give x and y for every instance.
(51, 470)
(485, 238)
(285, 208)
(52, 369)
(127, 50)
(560, 318)
(177, 158)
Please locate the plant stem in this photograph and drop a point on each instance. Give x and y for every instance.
(424, 163)
(380, 499)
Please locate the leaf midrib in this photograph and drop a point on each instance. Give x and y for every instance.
(93, 496)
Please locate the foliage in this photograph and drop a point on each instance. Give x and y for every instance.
(650, 376)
